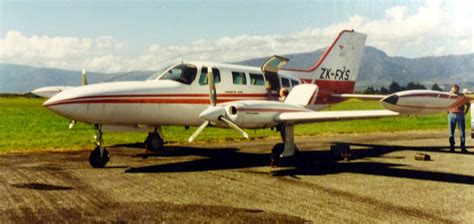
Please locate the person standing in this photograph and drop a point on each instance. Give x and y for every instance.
(456, 115)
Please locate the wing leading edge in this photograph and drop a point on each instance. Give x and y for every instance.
(308, 117)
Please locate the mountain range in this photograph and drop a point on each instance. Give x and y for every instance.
(377, 69)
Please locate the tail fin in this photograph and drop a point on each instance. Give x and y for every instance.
(340, 62)
(302, 95)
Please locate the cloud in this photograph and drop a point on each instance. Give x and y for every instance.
(435, 28)
(59, 52)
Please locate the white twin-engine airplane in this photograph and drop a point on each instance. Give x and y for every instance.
(232, 96)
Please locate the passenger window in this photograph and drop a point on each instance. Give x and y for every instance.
(294, 83)
(203, 76)
(256, 80)
(285, 82)
(239, 78)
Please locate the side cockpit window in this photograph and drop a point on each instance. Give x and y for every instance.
(184, 73)
(203, 76)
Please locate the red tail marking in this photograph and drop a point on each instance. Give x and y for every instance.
(320, 61)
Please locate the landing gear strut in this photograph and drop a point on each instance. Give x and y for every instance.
(154, 141)
(286, 151)
(99, 157)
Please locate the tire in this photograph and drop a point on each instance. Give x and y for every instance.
(96, 161)
(277, 151)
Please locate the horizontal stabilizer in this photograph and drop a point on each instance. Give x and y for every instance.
(302, 95)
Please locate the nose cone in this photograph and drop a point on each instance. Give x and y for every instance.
(59, 103)
(212, 113)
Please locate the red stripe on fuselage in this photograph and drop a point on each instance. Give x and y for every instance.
(115, 99)
(437, 95)
(175, 95)
(268, 110)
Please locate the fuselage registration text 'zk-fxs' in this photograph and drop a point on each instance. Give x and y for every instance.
(339, 74)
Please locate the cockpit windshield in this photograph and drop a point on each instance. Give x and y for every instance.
(160, 71)
(184, 73)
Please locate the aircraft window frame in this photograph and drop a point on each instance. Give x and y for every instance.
(242, 75)
(288, 85)
(252, 77)
(187, 75)
(294, 82)
(203, 76)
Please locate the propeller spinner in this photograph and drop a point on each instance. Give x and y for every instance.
(214, 113)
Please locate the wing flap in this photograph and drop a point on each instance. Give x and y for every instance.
(308, 117)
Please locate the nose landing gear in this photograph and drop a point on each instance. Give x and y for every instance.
(99, 157)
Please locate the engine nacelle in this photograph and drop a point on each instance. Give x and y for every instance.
(258, 114)
(422, 101)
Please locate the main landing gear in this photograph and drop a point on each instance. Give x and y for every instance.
(285, 152)
(99, 157)
(154, 140)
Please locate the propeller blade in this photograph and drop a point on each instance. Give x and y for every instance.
(234, 126)
(84, 77)
(198, 131)
(212, 87)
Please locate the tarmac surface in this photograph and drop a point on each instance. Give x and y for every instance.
(233, 182)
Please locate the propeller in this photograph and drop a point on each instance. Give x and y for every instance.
(214, 113)
(84, 83)
(84, 77)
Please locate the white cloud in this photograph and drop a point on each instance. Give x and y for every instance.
(435, 28)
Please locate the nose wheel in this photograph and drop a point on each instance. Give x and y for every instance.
(99, 157)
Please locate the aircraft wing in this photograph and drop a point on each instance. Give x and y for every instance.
(360, 96)
(308, 117)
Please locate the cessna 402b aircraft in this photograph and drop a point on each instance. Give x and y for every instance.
(231, 96)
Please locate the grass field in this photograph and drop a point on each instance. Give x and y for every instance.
(26, 125)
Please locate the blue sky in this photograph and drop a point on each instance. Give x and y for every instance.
(125, 30)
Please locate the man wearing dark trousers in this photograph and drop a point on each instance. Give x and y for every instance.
(456, 115)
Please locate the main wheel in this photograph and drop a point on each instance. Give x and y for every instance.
(276, 152)
(98, 161)
(153, 142)
(277, 160)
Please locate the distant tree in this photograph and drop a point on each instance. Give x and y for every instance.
(412, 85)
(436, 87)
(384, 90)
(394, 87)
(370, 90)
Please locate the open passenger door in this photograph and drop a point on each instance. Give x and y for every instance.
(270, 69)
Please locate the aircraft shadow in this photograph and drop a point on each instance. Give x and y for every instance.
(311, 163)
(378, 149)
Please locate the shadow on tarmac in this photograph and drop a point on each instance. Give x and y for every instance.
(310, 162)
